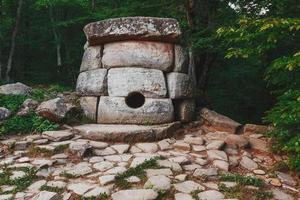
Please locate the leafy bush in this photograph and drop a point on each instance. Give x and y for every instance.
(285, 117)
(26, 124)
(44, 93)
(12, 102)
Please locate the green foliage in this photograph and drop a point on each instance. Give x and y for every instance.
(27, 124)
(20, 183)
(242, 180)
(12, 102)
(138, 171)
(49, 92)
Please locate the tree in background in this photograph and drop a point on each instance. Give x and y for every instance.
(273, 39)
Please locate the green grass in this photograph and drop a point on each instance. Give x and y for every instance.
(21, 183)
(138, 171)
(52, 189)
(12, 102)
(242, 180)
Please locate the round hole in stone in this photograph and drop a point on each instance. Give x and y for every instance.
(135, 100)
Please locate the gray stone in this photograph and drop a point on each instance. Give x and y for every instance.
(185, 110)
(6, 196)
(104, 152)
(126, 132)
(147, 147)
(191, 139)
(280, 195)
(158, 183)
(121, 148)
(27, 106)
(201, 161)
(286, 178)
(133, 28)
(34, 187)
(233, 140)
(57, 184)
(98, 144)
(115, 170)
(15, 89)
(96, 192)
(80, 169)
(179, 85)
(156, 172)
(92, 83)
(217, 155)
(103, 166)
(89, 107)
(206, 172)
(221, 164)
(21, 145)
(106, 179)
(172, 165)
(188, 187)
(123, 81)
(211, 195)
(4, 113)
(17, 174)
(217, 122)
(248, 164)
(135, 194)
(54, 109)
(133, 179)
(79, 188)
(182, 196)
(57, 135)
(45, 195)
(143, 54)
(181, 59)
(91, 58)
(215, 144)
(80, 147)
(114, 110)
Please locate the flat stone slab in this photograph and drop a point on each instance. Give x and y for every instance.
(127, 133)
(144, 54)
(114, 110)
(149, 82)
(133, 28)
(91, 58)
(179, 85)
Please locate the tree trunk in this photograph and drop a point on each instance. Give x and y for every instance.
(190, 15)
(56, 38)
(93, 5)
(13, 41)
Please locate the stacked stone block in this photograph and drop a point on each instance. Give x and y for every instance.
(134, 71)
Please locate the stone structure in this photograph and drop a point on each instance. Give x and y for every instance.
(134, 71)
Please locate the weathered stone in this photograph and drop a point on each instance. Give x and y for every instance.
(156, 172)
(182, 196)
(126, 132)
(286, 178)
(54, 109)
(80, 188)
(217, 122)
(149, 82)
(164, 145)
(179, 85)
(6, 196)
(172, 165)
(217, 155)
(115, 170)
(133, 28)
(248, 164)
(106, 179)
(233, 140)
(188, 187)
(211, 195)
(182, 146)
(221, 164)
(191, 167)
(27, 106)
(121, 148)
(4, 113)
(198, 148)
(181, 177)
(91, 58)
(118, 158)
(135, 194)
(259, 172)
(96, 192)
(45, 195)
(80, 169)
(143, 54)
(280, 195)
(92, 83)
(206, 172)
(259, 144)
(89, 107)
(253, 128)
(57, 184)
(181, 59)
(104, 152)
(17, 174)
(114, 110)
(15, 89)
(57, 135)
(185, 110)
(179, 159)
(103, 166)
(201, 161)
(158, 183)
(21, 145)
(80, 147)
(148, 147)
(215, 144)
(98, 144)
(34, 187)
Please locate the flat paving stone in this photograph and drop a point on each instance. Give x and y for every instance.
(135, 194)
(188, 187)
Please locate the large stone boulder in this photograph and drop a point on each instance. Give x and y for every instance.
(181, 59)
(133, 28)
(149, 82)
(143, 54)
(91, 58)
(214, 121)
(27, 106)
(54, 109)
(4, 113)
(15, 89)
(179, 85)
(92, 83)
(153, 111)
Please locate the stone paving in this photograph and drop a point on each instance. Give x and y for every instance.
(194, 165)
